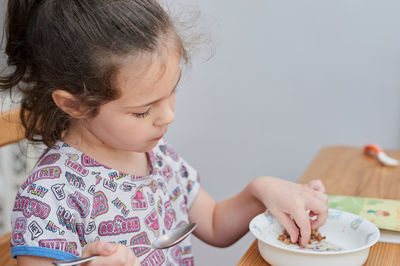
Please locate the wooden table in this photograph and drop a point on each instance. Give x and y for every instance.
(348, 171)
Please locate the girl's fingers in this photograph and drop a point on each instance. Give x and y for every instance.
(289, 225)
(316, 185)
(320, 221)
(110, 254)
(317, 204)
(314, 224)
(318, 208)
(99, 248)
(303, 222)
(320, 196)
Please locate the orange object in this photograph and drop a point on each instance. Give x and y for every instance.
(376, 151)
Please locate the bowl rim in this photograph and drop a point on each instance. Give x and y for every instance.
(307, 251)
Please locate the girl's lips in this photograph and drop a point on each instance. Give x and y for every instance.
(158, 138)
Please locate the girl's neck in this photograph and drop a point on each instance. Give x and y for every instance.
(135, 163)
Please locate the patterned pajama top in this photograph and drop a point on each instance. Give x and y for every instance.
(70, 200)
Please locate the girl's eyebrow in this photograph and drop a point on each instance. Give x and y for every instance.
(150, 103)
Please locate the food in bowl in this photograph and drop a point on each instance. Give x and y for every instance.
(349, 239)
(315, 236)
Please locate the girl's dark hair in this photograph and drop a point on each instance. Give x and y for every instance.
(69, 45)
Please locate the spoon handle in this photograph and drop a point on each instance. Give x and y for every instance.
(74, 261)
(86, 259)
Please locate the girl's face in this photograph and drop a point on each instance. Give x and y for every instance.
(138, 119)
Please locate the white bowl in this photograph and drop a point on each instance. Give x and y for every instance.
(352, 233)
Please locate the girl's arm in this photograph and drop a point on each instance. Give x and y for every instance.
(25, 260)
(221, 224)
(109, 254)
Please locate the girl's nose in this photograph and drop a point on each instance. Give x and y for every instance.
(167, 114)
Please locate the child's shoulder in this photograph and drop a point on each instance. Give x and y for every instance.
(57, 153)
(59, 166)
(165, 159)
(165, 150)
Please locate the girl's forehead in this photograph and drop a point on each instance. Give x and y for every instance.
(142, 78)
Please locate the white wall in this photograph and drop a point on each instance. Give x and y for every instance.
(288, 77)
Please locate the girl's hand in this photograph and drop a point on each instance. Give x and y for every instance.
(316, 185)
(289, 203)
(110, 254)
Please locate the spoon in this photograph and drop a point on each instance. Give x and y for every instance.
(170, 239)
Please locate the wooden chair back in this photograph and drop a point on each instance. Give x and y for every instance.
(11, 131)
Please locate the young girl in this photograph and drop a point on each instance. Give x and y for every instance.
(98, 81)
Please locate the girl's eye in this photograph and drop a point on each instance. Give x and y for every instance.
(142, 115)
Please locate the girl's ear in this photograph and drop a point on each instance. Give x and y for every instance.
(68, 103)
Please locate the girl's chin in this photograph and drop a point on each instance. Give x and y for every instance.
(150, 145)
